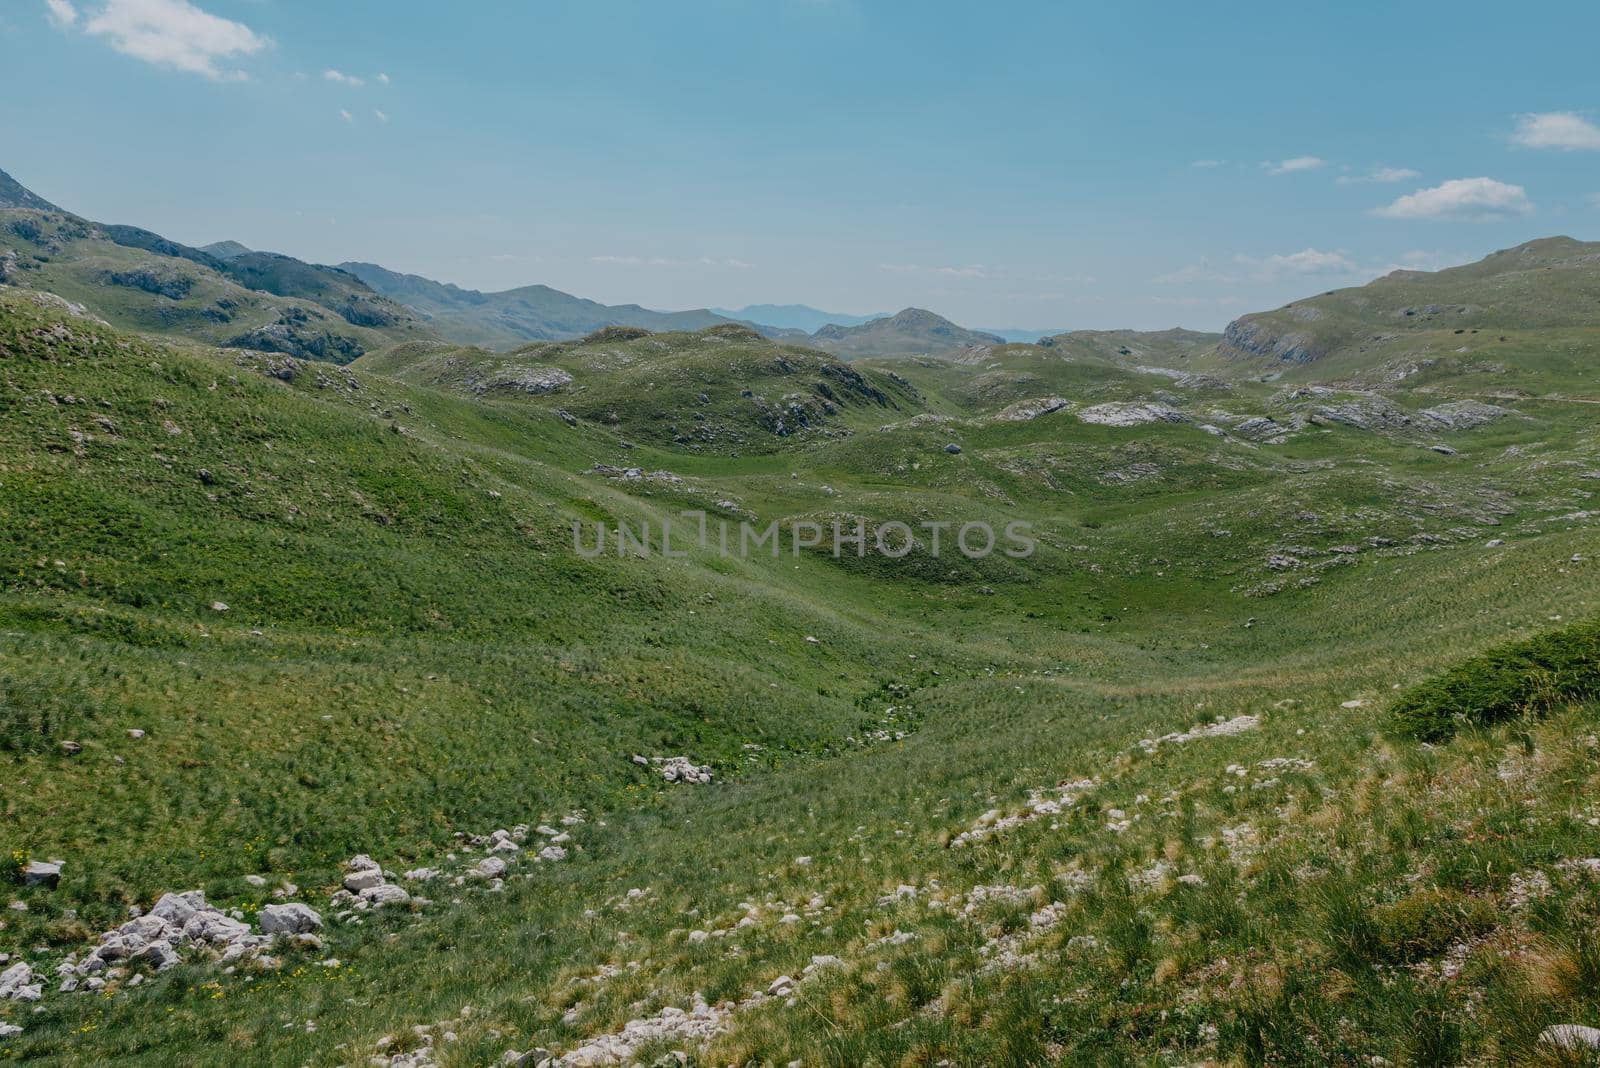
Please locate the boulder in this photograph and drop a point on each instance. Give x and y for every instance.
(291, 919)
(41, 873)
(385, 894)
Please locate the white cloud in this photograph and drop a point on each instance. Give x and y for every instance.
(383, 79)
(1566, 130)
(62, 13)
(1467, 199)
(342, 78)
(1207, 163)
(346, 116)
(1380, 175)
(381, 115)
(176, 34)
(1295, 165)
(1307, 261)
(1594, 200)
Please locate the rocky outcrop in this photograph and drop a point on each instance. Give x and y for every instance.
(1117, 413)
(1023, 411)
(1249, 338)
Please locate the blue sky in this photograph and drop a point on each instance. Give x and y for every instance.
(1007, 164)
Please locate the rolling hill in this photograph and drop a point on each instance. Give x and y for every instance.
(911, 332)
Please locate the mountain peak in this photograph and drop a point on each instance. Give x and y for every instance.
(13, 194)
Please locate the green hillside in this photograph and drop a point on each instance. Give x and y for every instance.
(1525, 319)
(954, 800)
(138, 280)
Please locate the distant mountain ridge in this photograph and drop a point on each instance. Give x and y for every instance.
(516, 316)
(796, 316)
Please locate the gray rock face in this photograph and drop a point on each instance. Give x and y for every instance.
(385, 894)
(1462, 415)
(1247, 337)
(1117, 413)
(532, 380)
(291, 919)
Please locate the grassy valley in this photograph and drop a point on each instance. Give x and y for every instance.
(261, 615)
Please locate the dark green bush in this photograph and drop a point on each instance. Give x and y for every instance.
(1516, 679)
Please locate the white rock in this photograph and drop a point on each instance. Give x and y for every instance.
(1571, 1036)
(9, 1030)
(490, 868)
(553, 853)
(15, 982)
(385, 894)
(256, 880)
(363, 879)
(291, 919)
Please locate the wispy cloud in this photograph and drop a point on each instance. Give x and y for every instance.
(383, 79)
(1380, 175)
(346, 116)
(1295, 165)
(1242, 268)
(1461, 199)
(342, 78)
(175, 34)
(1207, 163)
(380, 115)
(61, 13)
(971, 270)
(664, 261)
(1565, 130)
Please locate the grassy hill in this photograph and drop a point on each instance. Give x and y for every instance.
(1518, 319)
(725, 389)
(516, 316)
(138, 280)
(912, 331)
(955, 801)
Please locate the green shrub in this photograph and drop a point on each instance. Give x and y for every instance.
(1511, 680)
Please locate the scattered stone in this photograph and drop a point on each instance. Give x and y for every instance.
(683, 770)
(71, 748)
(17, 984)
(135, 733)
(953, 449)
(219, 606)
